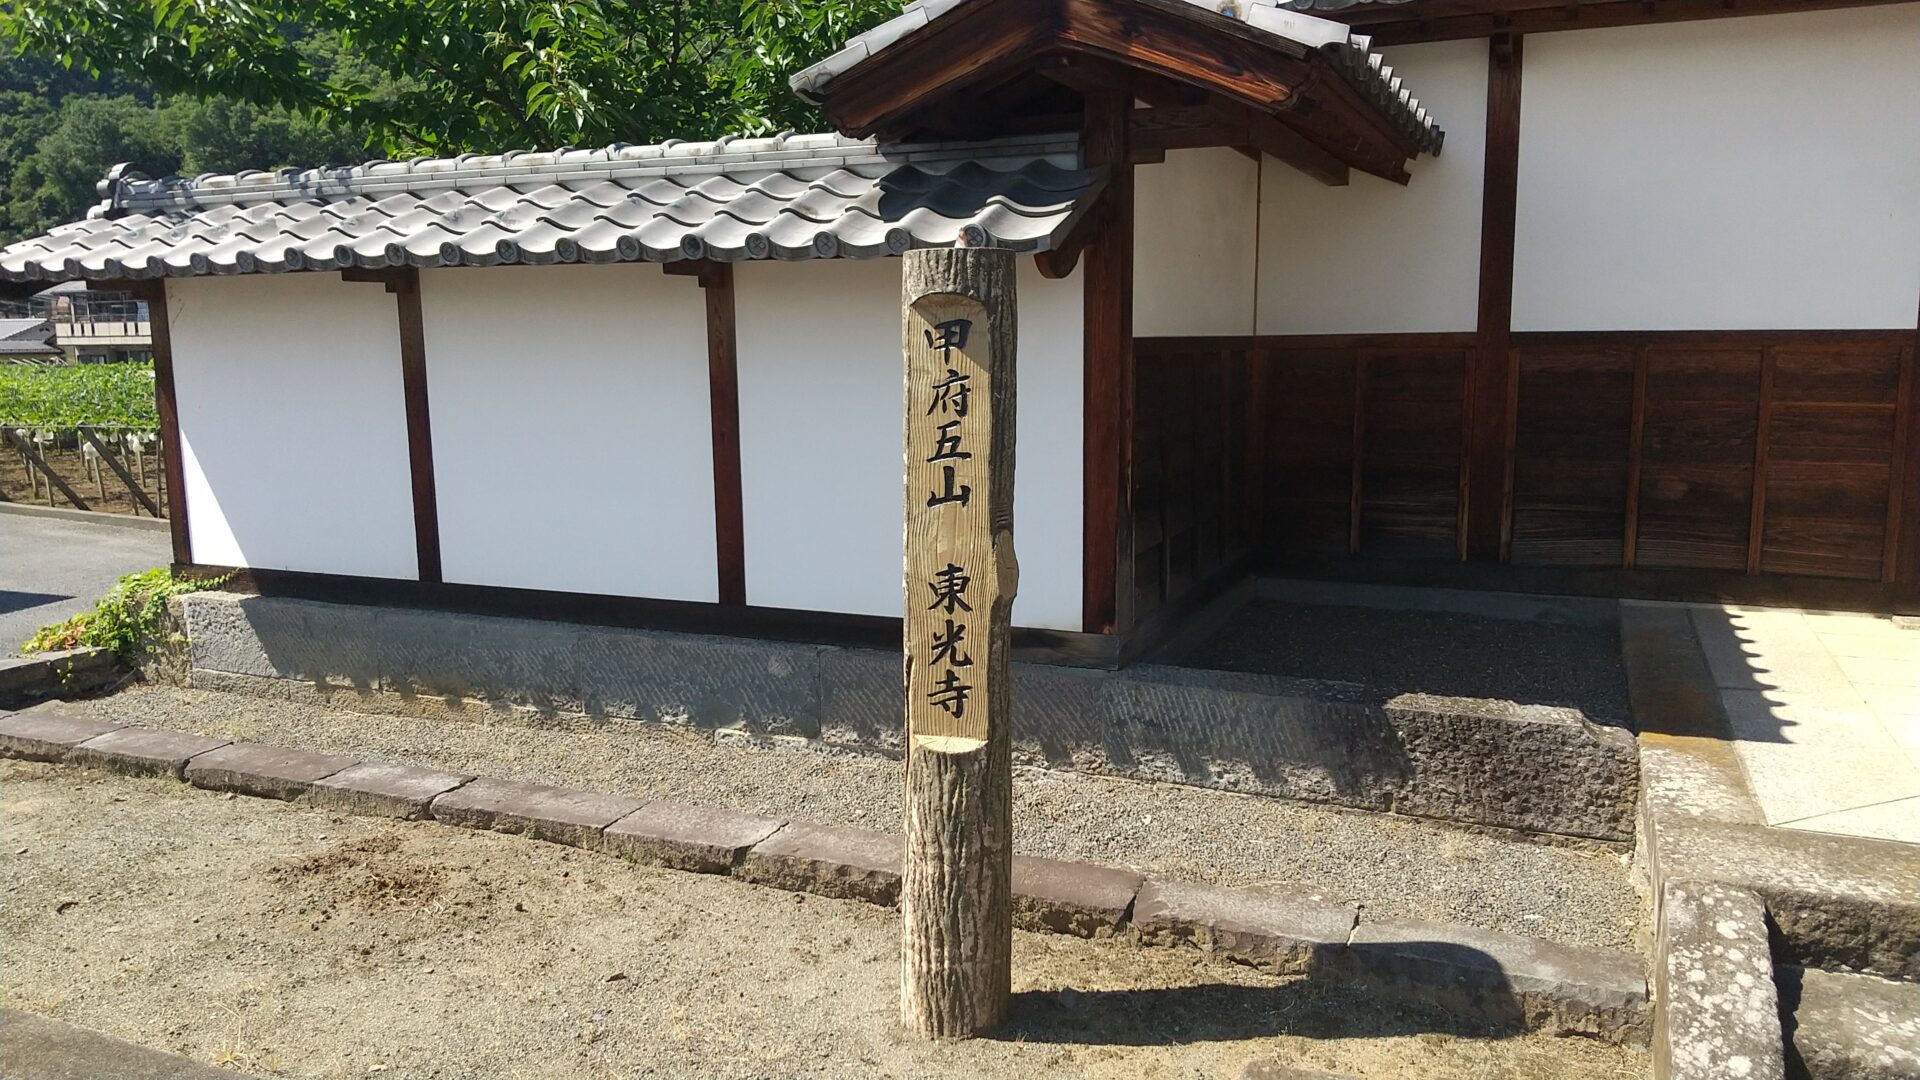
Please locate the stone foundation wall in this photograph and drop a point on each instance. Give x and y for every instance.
(1533, 768)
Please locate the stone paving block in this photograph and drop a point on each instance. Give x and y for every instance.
(1275, 1069)
(269, 772)
(62, 673)
(560, 815)
(379, 789)
(1507, 981)
(1852, 1027)
(1277, 931)
(47, 732)
(1719, 1016)
(144, 751)
(1071, 897)
(687, 837)
(852, 864)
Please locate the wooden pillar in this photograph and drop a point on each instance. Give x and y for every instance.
(1902, 563)
(1107, 603)
(154, 292)
(404, 283)
(956, 895)
(1490, 379)
(723, 387)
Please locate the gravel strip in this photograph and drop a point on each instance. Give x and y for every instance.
(284, 940)
(1454, 654)
(1395, 866)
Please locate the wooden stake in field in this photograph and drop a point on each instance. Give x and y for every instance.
(956, 901)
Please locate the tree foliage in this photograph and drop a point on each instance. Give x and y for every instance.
(456, 75)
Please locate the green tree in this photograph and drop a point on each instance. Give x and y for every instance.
(457, 75)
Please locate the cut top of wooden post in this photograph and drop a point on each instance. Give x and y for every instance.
(960, 572)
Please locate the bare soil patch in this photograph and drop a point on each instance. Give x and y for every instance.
(286, 941)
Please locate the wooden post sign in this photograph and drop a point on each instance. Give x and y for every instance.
(956, 896)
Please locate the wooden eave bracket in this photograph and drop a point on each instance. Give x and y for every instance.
(1224, 123)
(397, 279)
(709, 272)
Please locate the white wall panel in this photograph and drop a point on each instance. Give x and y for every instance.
(1751, 173)
(572, 435)
(1373, 256)
(1195, 240)
(820, 423)
(293, 424)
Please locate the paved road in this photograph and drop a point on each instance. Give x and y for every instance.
(36, 1047)
(51, 568)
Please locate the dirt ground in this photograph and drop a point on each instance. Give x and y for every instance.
(282, 940)
(17, 481)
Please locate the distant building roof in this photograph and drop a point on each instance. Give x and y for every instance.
(781, 197)
(27, 337)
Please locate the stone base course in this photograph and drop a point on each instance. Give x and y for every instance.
(377, 789)
(66, 673)
(144, 751)
(1508, 982)
(1546, 986)
(47, 732)
(1531, 768)
(852, 864)
(559, 815)
(1278, 932)
(1072, 897)
(687, 837)
(270, 772)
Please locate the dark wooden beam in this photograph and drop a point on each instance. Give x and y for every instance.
(1452, 20)
(1107, 341)
(1762, 451)
(403, 282)
(1278, 141)
(1489, 371)
(154, 292)
(1000, 37)
(1905, 489)
(1155, 131)
(723, 387)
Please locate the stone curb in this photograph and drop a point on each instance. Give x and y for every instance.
(28, 679)
(1279, 932)
(90, 517)
(1538, 983)
(560, 815)
(378, 789)
(269, 772)
(47, 732)
(143, 751)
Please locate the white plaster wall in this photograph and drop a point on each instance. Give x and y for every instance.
(1373, 256)
(1195, 240)
(572, 437)
(1750, 173)
(820, 423)
(293, 424)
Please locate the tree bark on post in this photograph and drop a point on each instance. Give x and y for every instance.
(960, 578)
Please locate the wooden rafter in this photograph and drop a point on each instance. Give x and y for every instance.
(1451, 20)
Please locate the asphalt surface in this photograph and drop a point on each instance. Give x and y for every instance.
(52, 568)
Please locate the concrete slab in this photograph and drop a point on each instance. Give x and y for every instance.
(1071, 897)
(1275, 931)
(47, 732)
(559, 815)
(1510, 982)
(1852, 1027)
(34, 1047)
(143, 751)
(1719, 1015)
(270, 772)
(703, 841)
(1897, 820)
(852, 864)
(1807, 756)
(379, 789)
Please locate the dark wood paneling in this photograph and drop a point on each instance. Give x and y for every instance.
(1490, 391)
(1571, 456)
(1410, 464)
(1696, 490)
(1189, 478)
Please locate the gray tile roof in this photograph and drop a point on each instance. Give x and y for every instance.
(1282, 20)
(782, 197)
